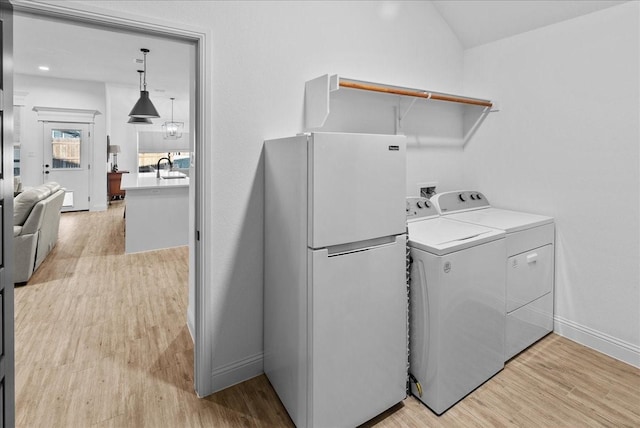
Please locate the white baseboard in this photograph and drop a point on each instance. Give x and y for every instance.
(238, 371)
(601, 342)
(252, 366)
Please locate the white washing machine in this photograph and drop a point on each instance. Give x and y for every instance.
(529, 268)
(457, 300)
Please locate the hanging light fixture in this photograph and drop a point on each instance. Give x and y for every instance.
(140, 120)
(172, 130)
(144, 107)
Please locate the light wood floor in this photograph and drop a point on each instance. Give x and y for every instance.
(101, 341)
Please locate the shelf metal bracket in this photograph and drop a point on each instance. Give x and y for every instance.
(475, 126)
(399, 116)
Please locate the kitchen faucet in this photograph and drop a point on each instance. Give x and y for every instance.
(158, 166)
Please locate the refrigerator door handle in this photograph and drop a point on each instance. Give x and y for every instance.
(369, 244)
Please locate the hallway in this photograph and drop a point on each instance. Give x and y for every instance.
(101, 337)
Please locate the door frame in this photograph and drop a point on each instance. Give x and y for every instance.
(201, 107)
(70, 117)
(7, 338)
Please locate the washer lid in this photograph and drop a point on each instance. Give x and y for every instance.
(441, 236)
(509, 221)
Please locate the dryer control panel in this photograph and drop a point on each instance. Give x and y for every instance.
(419, 208)
(459, 200)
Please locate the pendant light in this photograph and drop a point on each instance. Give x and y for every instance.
(140, 120)
(172, 130)
(144, 107)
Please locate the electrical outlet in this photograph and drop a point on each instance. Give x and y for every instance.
(427, 190)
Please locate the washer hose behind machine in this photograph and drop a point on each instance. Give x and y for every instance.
(410, 377)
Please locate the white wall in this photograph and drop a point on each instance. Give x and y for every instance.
(262, 53)
(565, 144)
(61, 93)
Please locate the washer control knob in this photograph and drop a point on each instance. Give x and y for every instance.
(461, 197)
(427, 204)
(473, 196)
(478, 196)
(419, 204)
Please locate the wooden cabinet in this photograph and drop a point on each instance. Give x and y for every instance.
(113, 185)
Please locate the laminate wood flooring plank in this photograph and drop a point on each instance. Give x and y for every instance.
(101, 341)
(540, 387)
(94, 326)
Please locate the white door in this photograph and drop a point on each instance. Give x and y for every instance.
(66, 161)
(356, 186)
(358, 334)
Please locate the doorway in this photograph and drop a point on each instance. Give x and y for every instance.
(65, 148)
(49, 13)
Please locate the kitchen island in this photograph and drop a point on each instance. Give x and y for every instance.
(157, 211)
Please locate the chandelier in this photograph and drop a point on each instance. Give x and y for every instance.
(172, 130)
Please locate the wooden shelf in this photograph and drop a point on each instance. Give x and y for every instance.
(318, 101)
(419, 93)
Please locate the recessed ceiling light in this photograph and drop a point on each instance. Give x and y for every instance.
(43, 68)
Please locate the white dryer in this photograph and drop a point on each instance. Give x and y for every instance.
(529, 267)
(457, 300)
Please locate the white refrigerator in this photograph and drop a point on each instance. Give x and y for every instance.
(335, 302)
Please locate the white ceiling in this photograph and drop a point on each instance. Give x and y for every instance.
(483, 21)
(80, 52)
(75, 51)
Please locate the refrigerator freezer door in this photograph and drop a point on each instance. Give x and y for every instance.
(356, 187)
(358, 334)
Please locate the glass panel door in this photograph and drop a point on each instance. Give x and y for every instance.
(66, 161)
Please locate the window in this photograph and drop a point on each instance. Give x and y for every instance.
(147, 162)
(65, 148)
(152, 146)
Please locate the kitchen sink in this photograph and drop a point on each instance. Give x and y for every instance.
(168, 175)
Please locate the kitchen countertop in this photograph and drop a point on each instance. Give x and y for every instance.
(148, 180)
